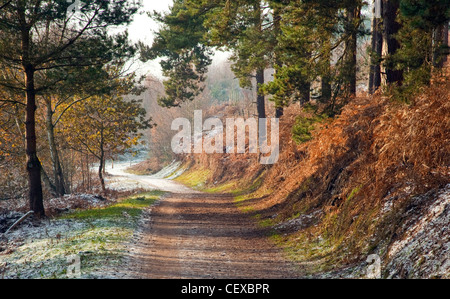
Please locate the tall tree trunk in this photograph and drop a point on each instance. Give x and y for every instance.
(260, 99)
(260, 106)
(102, 162)
(445, 43)
(88, 172)
(326, 89)
(353, 19)
(100, 174)
(378, 52)
(279, 110)
(48, 183)
(305, 93)
(83, 172)
(33, 167)
(372, 64)
(391, 45)
(57, 169)
(377, 44)
(326, 76)
(440, 44)
(33, 163)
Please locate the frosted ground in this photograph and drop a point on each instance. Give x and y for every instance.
(41, 249)
(121, 180)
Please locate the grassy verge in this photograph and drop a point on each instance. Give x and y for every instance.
(194, 178)
(229, 187)
(97, 236)
(130, 207)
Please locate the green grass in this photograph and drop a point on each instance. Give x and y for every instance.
(194, 178)
(354, 192)
(252, 191)
(229, 187)
(304, 126)
(266, 223)
(132, 206)
(245, 209)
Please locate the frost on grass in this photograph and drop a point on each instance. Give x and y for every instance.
(424, 250)
(42, 251)
(98, 237)
(120, 180)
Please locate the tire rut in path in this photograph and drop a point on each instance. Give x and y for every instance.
(199, 235)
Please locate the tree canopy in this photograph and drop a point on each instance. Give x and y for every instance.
(304, 42)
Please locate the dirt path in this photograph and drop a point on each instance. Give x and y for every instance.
(195, 235)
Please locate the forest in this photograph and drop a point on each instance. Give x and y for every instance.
(360, 89)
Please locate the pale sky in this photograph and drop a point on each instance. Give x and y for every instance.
(142, 29)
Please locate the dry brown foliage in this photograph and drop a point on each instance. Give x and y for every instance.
(376, 152)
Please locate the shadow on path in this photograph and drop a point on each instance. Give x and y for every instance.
(196, 235)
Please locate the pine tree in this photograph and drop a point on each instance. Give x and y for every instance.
(82, 40)
(186, 57)
(432, 18)
(420, 44)
(247, 29)
(193, 28)
(310, 32)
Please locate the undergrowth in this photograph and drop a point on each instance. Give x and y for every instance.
(334, 199)
(302, 130)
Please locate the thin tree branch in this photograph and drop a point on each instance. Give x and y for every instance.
(13, 102)
(68, 107)
(6, 4)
